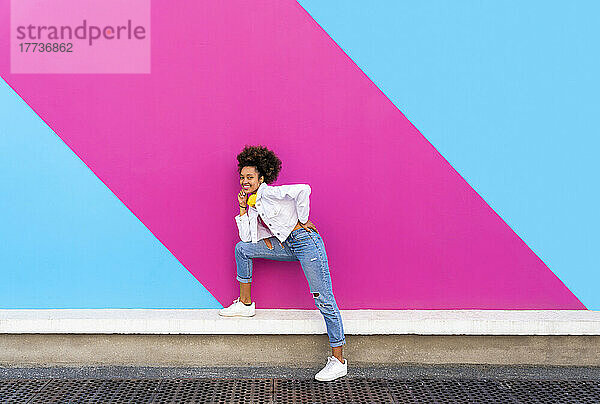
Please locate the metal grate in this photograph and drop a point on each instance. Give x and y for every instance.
(19, 391)
(344, 390)
(507, 391)
(446, 391)
(215, 391)
(561, 391)
(97, 391)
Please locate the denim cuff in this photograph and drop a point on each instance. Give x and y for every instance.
(243, 280)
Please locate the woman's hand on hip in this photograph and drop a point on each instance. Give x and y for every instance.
(308, 226)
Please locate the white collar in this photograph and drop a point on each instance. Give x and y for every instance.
(260, 190)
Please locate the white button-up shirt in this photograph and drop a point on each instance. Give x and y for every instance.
(280, 208)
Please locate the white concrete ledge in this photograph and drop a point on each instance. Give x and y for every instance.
(288, 321)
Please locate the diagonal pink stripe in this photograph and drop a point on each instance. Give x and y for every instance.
(401, 227)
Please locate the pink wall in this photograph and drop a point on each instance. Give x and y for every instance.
(402, 229)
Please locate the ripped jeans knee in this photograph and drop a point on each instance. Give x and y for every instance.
(332, 316)
(269, 244)
(320, 301)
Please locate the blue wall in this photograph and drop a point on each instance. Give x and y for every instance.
(66, 240)
(507, 92)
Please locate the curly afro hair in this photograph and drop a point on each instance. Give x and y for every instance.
(266, 162)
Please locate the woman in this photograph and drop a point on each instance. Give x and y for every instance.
(273, 223)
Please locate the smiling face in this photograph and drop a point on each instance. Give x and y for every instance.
(249, 179)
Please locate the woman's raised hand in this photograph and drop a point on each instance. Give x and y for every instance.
(243, 198)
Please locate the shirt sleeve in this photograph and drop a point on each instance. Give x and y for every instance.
(299, 192)
(243, 224)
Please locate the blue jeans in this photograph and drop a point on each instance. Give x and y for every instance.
(308, 248)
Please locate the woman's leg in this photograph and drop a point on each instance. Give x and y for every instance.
(245, 251)
(245, 293)
(310, 251)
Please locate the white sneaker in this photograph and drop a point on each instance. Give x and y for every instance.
(332, 370)
(238, 309)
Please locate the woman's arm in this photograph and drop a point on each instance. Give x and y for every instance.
(242, 220)
(243, 224)
(299, 192)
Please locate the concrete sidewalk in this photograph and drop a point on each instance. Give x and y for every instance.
(293, 321)
(144, 337)
(462, 371)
